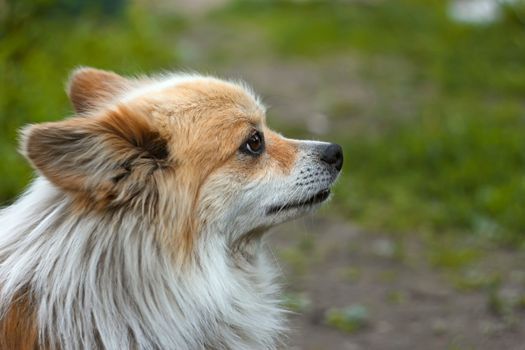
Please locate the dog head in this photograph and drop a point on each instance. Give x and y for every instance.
(186, 151)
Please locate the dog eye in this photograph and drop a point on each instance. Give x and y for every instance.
(254, 145)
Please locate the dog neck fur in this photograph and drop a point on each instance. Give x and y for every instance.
(105, 281)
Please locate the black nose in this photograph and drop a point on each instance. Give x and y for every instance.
(333, 155)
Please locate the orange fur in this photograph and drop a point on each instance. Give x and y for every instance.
(281, 151)
(60, 150)
(18, 327)
(89, 87)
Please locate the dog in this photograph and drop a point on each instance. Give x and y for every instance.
(144, 227)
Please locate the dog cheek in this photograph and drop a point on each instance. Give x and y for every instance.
(217, 195)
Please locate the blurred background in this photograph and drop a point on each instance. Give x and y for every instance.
(423, 244)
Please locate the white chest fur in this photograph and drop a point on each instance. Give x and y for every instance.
(107, 283)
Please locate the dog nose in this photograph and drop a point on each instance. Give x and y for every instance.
(333, 155)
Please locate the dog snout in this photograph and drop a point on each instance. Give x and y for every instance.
(332, 155)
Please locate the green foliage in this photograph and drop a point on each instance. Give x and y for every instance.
(350, 274)
(396, 297)
(348, 319)
(443, 171)
(473, 280)
(297, 302)
(453, 258)
(37, 54)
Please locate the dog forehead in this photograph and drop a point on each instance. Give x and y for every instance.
(201, 96)
(219, 100)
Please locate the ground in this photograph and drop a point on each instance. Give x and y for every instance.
(408, 303)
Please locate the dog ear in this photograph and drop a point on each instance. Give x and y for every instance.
(90, 88)
(110, 157)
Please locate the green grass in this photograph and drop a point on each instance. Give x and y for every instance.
(349, 319)
(451, 161)
(443, 171)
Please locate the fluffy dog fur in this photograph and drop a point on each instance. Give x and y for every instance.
(144, 227)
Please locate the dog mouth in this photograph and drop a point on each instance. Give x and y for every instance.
(319, 197)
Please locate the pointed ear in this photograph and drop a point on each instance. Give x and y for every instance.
(90, 88)
(109, 158)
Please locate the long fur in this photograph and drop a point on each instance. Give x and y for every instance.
(109, 277)
(137, 235)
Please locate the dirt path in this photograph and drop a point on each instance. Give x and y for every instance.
(409, 304)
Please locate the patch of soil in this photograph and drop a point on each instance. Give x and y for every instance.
(411, 304)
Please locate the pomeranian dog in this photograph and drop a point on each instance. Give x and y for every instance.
(144, 228)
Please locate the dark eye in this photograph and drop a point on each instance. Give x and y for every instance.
(254, 145)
